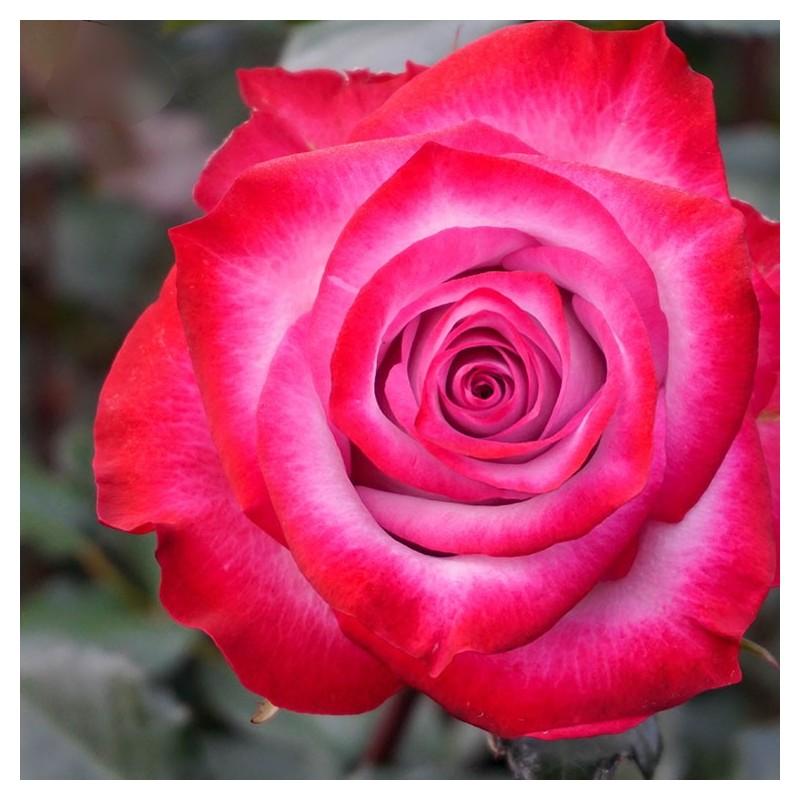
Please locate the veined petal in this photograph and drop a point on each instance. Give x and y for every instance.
(626, 101)
(669, 629)
(157, 468)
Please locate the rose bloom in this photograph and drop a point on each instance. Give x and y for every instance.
(466, 380)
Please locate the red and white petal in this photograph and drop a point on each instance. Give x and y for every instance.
(763, 241)
(156, 467)
(321, 106)
(628, 101)
(259, 139)
(293, 112)
(431, 607)
(149, 396)
(769, 430)
(696, 251)
(251, 267)
(766, 391)
(669, 629)
(440, 189)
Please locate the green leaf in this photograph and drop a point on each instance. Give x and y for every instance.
(88, 713)
(100, 249)
(51, 513)
(95, 615)
(758, 753)
(380, 45)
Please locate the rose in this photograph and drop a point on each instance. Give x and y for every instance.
(464, 381)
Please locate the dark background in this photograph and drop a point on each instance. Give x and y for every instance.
(110, 686)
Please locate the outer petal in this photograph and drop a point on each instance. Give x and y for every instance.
(259, 139)
(763, 240)
(669, 629)
(769, 431)
(321, 106)
(625, 101)
(251, 267)
(293, 113)
(157, 468)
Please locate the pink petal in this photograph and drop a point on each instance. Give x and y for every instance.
(354, 407)
(156, 467)
(696, 251)
(624, 101)
(431, 607)
(627, 394)
(293, 113)
(252, 266)
(669, 629)
(763, 241)
(618, 469)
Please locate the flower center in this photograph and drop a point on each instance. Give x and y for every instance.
(483, 390)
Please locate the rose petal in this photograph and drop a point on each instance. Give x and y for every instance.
(321, 106)
(769, 430)
(354, 407)
(419, 319)
(625, 101)
(440, 189)
(617, 470)
(156, 467)
(251, 267)
(669, 629)
(695, 249)
(561, 461)
(294, 112)
(431, 607)
(259, 139)
(763, 241)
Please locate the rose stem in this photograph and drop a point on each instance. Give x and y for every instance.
(390, 730)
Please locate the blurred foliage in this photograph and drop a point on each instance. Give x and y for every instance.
(110, 686)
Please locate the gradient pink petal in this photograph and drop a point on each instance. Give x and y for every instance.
(431, 607)
(294, 113)
(669, 629)
(626, 101)
(156, 467)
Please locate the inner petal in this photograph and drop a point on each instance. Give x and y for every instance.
(512, 367)
(477, 387)
(481, 391)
